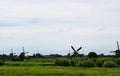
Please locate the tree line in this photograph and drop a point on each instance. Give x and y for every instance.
(22, 56)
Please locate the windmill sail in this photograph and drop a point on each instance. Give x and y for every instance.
(73, 48)
(117, 52)
(118, 45)
(75, 53)
(79, 48)
(23, 49)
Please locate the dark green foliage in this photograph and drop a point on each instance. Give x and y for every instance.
(55, 55)
(109, 64)
(92, 55)
(66, 63)
(1, 63)
(86, 63)
(117, 61)
(92, 62)
(58, 62)
(74, 62)
(99, 62)
(62, 62)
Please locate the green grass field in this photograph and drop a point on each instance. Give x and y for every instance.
(56, 71)
(46, 67)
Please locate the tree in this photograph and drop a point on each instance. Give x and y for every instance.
(101, 55)
(92, 55)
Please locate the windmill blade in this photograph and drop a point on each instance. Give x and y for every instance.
(23, 49)
(73, 48)
(118, 45)
(79, 48)
(11, 50)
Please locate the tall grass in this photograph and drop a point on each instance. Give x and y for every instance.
(33, 68)
(38, 62)
(56, 71)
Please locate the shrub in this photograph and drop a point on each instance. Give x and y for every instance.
(86, 63)
(109, 64)
(74, 62)
(1, 63)
(99, 62)
(117, 61)
(62, 62)
(58, 62)
(66, 63)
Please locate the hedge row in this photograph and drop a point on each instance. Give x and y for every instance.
(108, 63)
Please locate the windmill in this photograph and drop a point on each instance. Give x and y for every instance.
(11, 56)
(38, 55)
(24, 50)
(22, 54)
(75, 53)
(117, 52)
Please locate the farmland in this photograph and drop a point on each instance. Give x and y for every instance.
(47, 67)
(56, 71)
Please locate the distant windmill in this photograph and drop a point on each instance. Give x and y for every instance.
(24, 50)
(38, 55)
(75, 53)
(22, 54)
(117, 52)
(11, 56)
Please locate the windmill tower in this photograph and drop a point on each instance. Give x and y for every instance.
(117, 52)
(38, 55)
(22, 54)
(11, 56)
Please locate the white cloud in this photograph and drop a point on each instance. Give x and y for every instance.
(48, 10)
(59, 23)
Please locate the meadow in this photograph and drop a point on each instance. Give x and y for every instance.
(47, 67)
(56, 71)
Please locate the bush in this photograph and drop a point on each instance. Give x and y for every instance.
(66, 63)
(86, 63)
(58, 62)
(74, 62)
(109, 64)
(62, 62)
(1, 63)
(117, 61)
(99, 62)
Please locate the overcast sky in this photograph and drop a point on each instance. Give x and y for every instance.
(52, 26)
